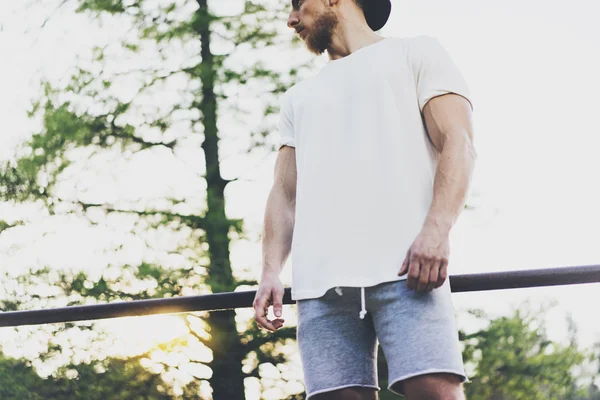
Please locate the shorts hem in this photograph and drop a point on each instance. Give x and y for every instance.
(341, 387)
(316, 293)
(462, 375)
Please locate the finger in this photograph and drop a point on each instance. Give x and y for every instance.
(443, 274)
(414, 271)
(433, 276)
(261, 307)
(275, 323)
(404, 268)
(277, 303)
(261, 302)
(263, 321)
(278, 323)
(424, 276)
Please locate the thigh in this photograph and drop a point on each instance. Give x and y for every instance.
(337, 348)
(417, 332)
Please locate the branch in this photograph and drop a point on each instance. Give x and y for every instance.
(145, 145)
(161, 78)
(193, 221)
(119, 133)
(53, 12)
(251, 282)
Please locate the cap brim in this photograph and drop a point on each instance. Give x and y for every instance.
(377, 13)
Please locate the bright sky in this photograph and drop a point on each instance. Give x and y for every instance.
(532, 69)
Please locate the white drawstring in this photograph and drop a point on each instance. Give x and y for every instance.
(363, 312)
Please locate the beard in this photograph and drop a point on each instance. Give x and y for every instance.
(319, 38)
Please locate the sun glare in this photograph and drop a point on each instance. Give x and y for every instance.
(139, 334)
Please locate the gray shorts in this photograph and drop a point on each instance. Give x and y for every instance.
(338, 349)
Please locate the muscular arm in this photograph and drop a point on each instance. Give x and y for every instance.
(277, 239)
(448, 122)
(279, 213)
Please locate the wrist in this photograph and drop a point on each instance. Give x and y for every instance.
(438, 224)
(270, 272)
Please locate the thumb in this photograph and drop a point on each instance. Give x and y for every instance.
(277, 303)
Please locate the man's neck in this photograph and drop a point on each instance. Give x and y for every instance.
(350, 37)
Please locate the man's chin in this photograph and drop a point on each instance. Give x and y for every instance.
(317, 50)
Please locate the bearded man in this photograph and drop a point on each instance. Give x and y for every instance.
(374, 165)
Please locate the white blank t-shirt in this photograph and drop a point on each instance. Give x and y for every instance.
(365, 163)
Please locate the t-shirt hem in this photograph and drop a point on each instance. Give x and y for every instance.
(287, 143)
(315, 293)
(461, 93)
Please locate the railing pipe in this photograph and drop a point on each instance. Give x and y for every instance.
(225, 301)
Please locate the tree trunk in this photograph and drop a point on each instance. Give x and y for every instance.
(227, 381)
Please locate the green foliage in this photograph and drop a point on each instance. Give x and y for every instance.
(512, 359)
(18, 380)
(19, 181)
(515, 360)
(109, 6)
(4, 225)
(178, 47)
(111, 378)
(146, 281)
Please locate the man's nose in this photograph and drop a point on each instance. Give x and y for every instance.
(292, 20)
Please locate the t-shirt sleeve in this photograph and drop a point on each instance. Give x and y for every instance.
(434, 71)
(287, 136)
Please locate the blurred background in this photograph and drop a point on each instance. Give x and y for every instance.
(136, 155)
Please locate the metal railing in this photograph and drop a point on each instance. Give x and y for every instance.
(225, 301)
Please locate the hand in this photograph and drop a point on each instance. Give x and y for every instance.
(426, 261)
(270, 292)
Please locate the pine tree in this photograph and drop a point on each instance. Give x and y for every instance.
(170, 85)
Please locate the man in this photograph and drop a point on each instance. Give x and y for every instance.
(375, 161)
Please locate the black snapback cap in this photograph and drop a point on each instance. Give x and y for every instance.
(377, 12)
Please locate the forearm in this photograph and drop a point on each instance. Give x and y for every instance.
(453, 175)
(278, 231)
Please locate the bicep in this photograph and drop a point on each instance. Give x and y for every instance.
(446, 115)
(286, 173)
